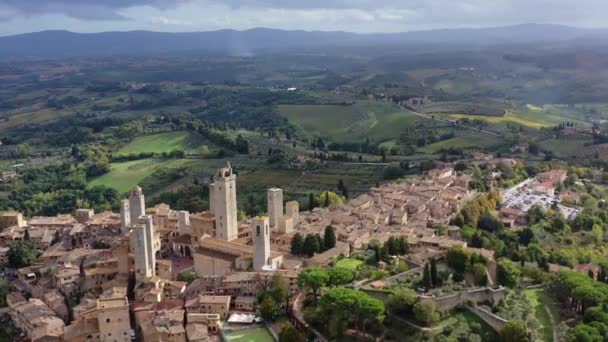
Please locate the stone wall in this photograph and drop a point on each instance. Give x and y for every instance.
(497, 323)
(474, 296)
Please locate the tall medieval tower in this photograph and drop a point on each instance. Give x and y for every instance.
(260, 234)
(137, 203)
(222, 199)
(275, 207)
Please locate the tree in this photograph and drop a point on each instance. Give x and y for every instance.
(311, 245)
(329, 198)
(21, 254)
(268, 308)
(278, 289)
(289, 333)
(402, 301)
(188, 277)
(329, 237)
(340, 276)
(3, 292)
(297, 244)
(321, 243)
(352, 306)
(313, 278)
(457, 258)
(23, 150)
(426, 277)
(434, 277)
(311, 201)
(426, 313)
(508, 273)
(490, 223)
(393, 172)
(514, 331)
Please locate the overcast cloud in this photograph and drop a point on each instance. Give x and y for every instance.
(19, 16)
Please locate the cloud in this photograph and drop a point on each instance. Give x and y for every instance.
(170, 21)
(347, 15)
(83, 9)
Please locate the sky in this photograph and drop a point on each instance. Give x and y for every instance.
(22, 16)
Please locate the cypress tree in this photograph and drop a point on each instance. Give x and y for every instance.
(426, 277)
(329, 237)
(434, 278)
(297, 244)
(311, 245)
(311, 201)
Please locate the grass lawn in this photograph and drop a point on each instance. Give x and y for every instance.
(250, 335)
(538, 298)
(351, 264)
(165, 142)
(123, 176)
(380, 121)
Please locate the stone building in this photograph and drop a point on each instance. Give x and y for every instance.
(260, 234)
(37, 321)
(210, 305)
(275, 207)
(222, 203)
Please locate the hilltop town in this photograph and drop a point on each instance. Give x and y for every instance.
(158, 274)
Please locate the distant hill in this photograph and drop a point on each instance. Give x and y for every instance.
(53, 44)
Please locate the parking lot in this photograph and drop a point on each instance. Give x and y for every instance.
(523, 197)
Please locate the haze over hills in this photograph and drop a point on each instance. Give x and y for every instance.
(53, 44)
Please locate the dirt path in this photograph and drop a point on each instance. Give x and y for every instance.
(553, 322)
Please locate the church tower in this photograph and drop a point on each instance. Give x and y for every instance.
(260, 234)
(222, 193)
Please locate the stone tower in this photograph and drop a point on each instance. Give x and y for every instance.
(147, 222)
(260, 234)
(139, 246)
(183, 222)
(137, 203)
(222, 193)
(292, 209)
(144, 247)
(275, 207)
(125, 215)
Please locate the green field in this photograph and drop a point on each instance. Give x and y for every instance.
(249, 335)
(380, 121)
(465, 140)
(123, 176)
(166, 142)
(539, 299)
(531, 117)
(566, 148)
(351, 264)
(357, 179)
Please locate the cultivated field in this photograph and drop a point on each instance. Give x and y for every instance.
(379, 121)
(166, 142)
(123, 176)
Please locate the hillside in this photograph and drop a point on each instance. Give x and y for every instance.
(55, 44)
